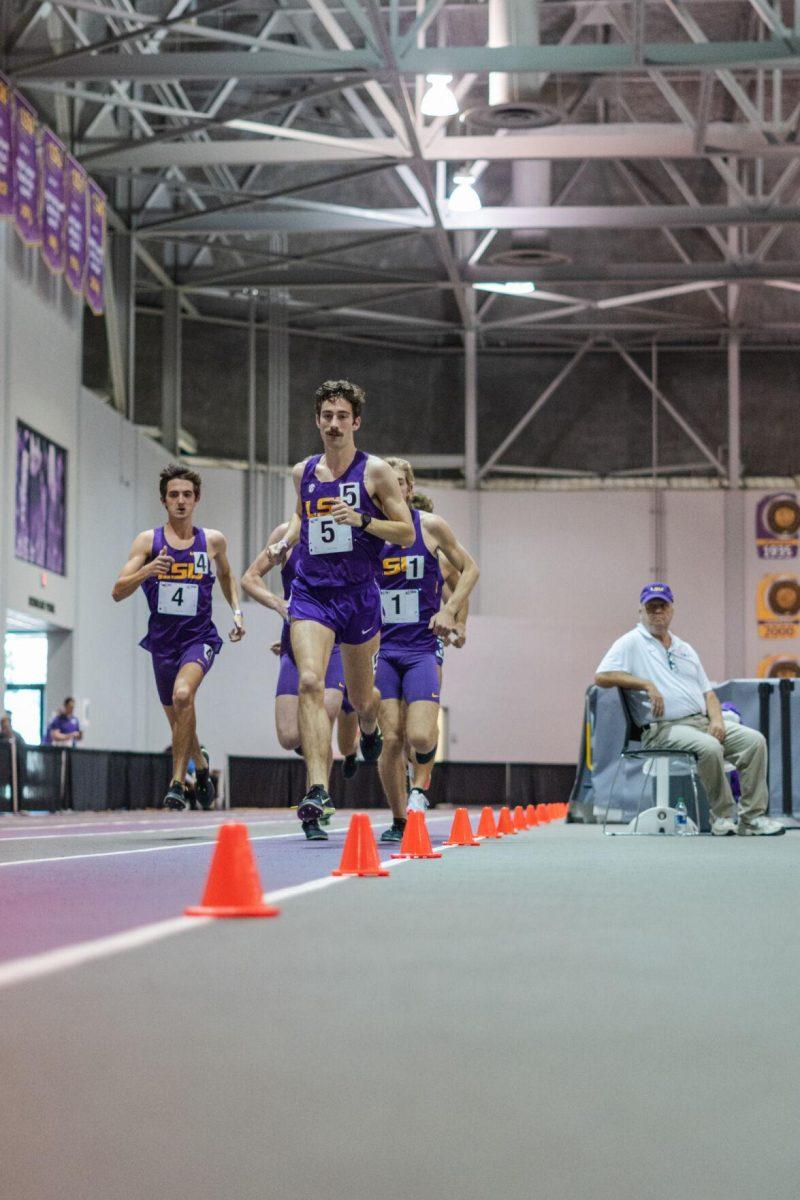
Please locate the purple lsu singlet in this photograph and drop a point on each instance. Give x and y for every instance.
(411, 584)
(180, 602)
(331, 555)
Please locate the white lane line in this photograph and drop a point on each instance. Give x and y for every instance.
(22, 970)
(43, 837)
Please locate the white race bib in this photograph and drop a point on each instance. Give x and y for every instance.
(177, 599)
(400, 607)
(326, 537)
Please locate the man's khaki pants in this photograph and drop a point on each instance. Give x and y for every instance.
(745, 748)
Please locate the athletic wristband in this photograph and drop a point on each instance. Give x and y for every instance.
(237, 612)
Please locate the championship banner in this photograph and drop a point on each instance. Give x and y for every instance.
(25, 168)
(6, 149)
(777, 525)
(779, 666)
(75, 226)
(778, 606)
(54, 188)
(95, 276)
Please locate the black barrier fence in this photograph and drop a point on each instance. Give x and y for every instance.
(279, 782)
(51, 778)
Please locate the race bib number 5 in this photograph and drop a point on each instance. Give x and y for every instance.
(177, 599)
(400, 607)
(326, 537)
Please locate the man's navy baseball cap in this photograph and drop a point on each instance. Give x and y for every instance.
(656, 591)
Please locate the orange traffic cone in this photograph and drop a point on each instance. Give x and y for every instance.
(233, 888)
(486, 825)
(360, 852)
(520, 824)
(416, 841)
(461, 830)
(542, 814)
(530, 816)
(504, 822)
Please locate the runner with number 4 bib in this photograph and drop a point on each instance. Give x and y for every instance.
(172, 565)
(348, 505)
(414, 618)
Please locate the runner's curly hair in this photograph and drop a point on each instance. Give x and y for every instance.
(422, 502)
(341, 389)
(177, 471)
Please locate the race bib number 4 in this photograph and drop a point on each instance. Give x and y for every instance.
(326, 537)
(400, 607)
(177, 599)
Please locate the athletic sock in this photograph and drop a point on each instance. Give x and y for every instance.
(202, 776)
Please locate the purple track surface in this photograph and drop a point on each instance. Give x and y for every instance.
(66, 879)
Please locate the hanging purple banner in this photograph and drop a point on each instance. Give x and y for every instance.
(26, 173)
(6, 125)
(95, 281)
(75, 226)
(54, 184)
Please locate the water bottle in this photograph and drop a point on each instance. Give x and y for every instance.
(681, 820)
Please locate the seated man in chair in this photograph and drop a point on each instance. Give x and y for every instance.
(679, 711)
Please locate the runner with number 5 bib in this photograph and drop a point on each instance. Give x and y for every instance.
(172, 565)
(348, 505)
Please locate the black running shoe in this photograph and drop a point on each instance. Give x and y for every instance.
(175, 797)
(205, 790)
(315, 804)
(349, 765)
(371, 745)
(395, 831)
(313, 831)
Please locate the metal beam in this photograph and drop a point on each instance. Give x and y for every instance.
(538, 404)
(669, 407)
(171, 372)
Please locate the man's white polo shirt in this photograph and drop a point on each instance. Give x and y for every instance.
(677, 673)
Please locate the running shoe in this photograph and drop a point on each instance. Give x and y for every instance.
(175, 798)
(760, 827)
(723, 827)
(349, 765)
(313, 831)
(417, 801)
(205, 790)
(315, 804)
(371, 745)
(395, 831)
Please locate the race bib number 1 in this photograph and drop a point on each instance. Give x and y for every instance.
(177, 599)
(400, 607)
(326, 537)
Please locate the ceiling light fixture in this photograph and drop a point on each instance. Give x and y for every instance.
(464, 198)
(439, 100)
(514, 288)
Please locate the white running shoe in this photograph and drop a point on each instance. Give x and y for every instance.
(417, 801)
(723, 827)
(760, 827)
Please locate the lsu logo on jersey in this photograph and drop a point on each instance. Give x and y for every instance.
(194, 570)
(321, 507)
(412, 566)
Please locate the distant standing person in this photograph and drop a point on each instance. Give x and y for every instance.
(172, 564)
(65, 728)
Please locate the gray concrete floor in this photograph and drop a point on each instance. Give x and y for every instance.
(558, 1015)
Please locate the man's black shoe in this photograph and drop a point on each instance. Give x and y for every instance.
(371, 745)
(315, 804)
(205, 790)
(349, 765)
(175, 798)
(395, 831)
(313, 831)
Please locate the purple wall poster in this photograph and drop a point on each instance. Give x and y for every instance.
(75, 226)
(26, 173)
(40, 530)
(6, 125)
(54, 182)
(95, 283)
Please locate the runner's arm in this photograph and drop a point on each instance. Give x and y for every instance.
(397, 528)
(450, 579)
(446, 541)
(218, 547)
(253, 579)
(277, 550)
(137, 568)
